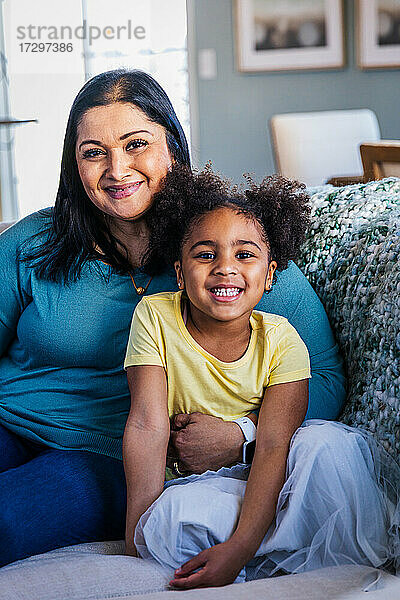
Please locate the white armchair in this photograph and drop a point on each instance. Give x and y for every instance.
(315, 146)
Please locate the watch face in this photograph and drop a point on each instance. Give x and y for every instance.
(249, 449)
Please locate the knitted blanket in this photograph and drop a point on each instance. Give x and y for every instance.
(352, 259)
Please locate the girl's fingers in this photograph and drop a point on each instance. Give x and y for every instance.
(194, 580)
(194, 563)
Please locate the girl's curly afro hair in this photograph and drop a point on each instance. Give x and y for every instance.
(279, 205)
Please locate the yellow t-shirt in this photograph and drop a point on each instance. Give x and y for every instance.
(198, 381)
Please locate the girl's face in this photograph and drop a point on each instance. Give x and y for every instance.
(225, 265)
(122, 157)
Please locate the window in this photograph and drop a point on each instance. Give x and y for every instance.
(160, 48)
(44, 75)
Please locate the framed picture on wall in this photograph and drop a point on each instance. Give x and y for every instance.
(293, 34)
(378, 33)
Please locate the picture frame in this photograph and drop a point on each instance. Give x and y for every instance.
(378, 34)
(291, 35)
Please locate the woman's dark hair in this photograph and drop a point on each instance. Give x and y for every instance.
(78, 226)
(278, 205)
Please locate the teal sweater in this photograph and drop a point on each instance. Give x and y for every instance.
(62, 347)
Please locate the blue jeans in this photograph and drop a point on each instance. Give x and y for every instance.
(51, 498)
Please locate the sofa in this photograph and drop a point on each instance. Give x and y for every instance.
(352, 259)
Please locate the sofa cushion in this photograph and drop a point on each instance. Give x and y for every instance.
(99, 571)
(350, 582)
(352, 259)
(82, 572)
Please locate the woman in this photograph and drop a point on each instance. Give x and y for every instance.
(71, 277)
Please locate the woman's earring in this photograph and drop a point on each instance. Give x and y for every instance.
(268, 288)
(180, 284)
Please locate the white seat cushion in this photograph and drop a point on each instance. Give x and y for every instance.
(100, 571)
(82, 572)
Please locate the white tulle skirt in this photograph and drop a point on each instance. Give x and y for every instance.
(339, 505)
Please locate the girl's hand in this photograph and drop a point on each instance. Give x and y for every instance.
(216, 566)
(130, 549)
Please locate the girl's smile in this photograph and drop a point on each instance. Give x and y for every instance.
(225, 293)
(225, 266)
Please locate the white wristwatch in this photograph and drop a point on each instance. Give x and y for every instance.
(249, 431)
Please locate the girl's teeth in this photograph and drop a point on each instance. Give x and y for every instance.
(225, 291)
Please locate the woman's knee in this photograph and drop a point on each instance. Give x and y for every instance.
(58, 499)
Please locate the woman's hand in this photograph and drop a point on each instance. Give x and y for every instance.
(216, 566)
(203, 442)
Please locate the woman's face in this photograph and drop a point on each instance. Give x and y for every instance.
(122, 157)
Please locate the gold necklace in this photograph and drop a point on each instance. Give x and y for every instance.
(140, 290)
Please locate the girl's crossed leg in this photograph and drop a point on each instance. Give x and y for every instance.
(331, 509)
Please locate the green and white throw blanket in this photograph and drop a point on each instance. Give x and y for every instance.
(352, 259)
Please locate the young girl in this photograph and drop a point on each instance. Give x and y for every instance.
(311, 497)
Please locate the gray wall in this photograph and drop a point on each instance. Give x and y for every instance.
(235, 107)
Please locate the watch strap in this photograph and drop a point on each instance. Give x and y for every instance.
(249, 431)
(248, 428)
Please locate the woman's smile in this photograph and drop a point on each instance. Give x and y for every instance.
(117, 192)
(122, 157)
